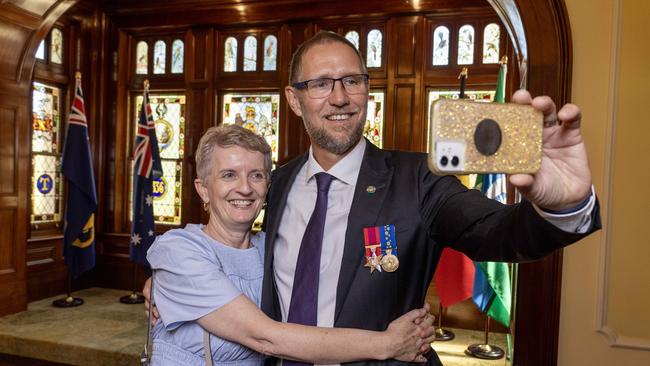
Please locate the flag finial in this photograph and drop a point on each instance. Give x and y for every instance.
(77, 75)
(146, 84)
(504, 60)
(463, 72)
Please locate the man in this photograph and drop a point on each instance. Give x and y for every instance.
(342, 283)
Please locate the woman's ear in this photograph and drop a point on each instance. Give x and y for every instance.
(202, 190)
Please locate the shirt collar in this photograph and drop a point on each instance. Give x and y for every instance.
(346, 170)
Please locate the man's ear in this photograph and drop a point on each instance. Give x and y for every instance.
(292, 98)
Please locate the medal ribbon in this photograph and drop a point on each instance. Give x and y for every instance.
(372, 240)
(387, 240)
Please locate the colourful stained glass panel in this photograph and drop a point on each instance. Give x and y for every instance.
(353, 37)
(476, 95)
(491, 36)
(47, 189)
(168, 113)
(466, 45)
(56, 46)
(159, 56)
(257, 112)
(373, 129)
(178, 55)
(270, 53)
(250, 54)
(46, 118)
(373, 57)
(441, 46)
(230, 55)
(142, 58)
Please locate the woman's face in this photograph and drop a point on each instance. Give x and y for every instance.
(237, 187)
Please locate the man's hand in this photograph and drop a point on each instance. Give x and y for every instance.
(146, 291)
(564, 178)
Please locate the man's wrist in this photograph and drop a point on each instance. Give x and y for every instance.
(573, 209)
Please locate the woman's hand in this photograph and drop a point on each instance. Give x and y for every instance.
(409, 337)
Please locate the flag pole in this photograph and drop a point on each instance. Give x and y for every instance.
(486, 350)
(443, 334)
(69, 301)
(135, 297)
(463, 81)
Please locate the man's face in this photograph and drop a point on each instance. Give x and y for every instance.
(334, 123)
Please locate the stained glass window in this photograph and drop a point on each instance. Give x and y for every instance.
(441, 46)
(270, 53)
(178, 54)
(142, 58)
(47, 189)
(230, 55)
(56, 46)
(373, 129)
(250, 53)
(373, 57)
(466, 45)
(491, 35)
(169, 115)
(257, 112)
(475, 95)
(159, 51)
(353, 37)
(40, 51)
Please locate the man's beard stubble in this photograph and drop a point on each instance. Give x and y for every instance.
(320, 137)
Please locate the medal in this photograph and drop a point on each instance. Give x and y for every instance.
(374, 262)
(373, 248)
(389, 261)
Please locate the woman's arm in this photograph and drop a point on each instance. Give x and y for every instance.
(242, 322)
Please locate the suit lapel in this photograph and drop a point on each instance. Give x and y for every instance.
(365, 208)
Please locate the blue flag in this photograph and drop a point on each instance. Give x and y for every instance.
(81, 203)
(146, 169)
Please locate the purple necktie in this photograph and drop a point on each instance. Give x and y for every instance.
(304, 296)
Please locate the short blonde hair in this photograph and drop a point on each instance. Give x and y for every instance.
(226, 136)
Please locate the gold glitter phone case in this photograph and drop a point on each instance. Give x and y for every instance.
(473, 137)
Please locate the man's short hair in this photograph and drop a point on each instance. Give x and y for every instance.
(322, 37)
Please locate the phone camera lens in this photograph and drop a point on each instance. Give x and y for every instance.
(444, 161)
(455, 161)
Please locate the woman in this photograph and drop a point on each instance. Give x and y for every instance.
(209, 277)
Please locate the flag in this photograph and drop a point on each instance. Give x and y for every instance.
(81, 202)
(454, 276)
(492, 293)
(146, 169)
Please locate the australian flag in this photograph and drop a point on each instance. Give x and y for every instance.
(146, 169)
(81, 204)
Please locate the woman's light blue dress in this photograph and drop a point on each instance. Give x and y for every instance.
(196, 275)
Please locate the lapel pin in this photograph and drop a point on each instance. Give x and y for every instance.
(371, 189)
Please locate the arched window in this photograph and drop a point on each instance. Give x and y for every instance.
(178, 54)
(56, 46)
(491, 38)
(373, 53)
(159, 57)
(250, 53)
(466, 45)
(230, 55)
(270, 53)
(353, 37)
(142, 58)
(440, 46)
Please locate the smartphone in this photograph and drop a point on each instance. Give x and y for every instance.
(474, 137)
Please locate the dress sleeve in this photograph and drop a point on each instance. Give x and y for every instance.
(189, 280)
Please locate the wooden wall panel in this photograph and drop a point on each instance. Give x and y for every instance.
(8, 150)
(402, 114)
(405, 48)
(13, 39)
(8, 259)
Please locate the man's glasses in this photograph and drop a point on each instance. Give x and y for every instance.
(323, 87)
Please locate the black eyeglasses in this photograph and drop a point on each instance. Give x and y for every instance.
(323, 87)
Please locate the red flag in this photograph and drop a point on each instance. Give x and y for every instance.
(454, 277)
